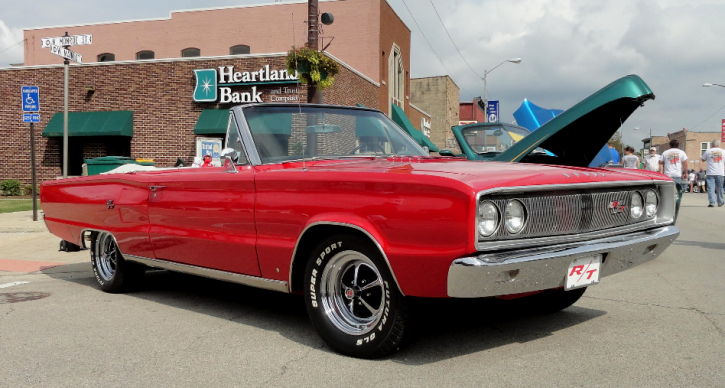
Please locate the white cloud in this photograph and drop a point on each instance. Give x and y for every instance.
(572, 48)
(10, 37)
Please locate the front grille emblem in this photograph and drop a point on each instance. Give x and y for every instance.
(616, 207)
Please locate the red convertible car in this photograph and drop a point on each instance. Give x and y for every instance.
(338, 204)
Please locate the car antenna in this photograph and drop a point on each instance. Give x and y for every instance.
(299, 105)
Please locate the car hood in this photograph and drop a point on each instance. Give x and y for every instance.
(578, 134)
(476, 175)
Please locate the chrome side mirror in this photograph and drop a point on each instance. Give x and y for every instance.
(231, 153)
(229, 165)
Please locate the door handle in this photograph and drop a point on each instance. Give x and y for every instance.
(156, 188)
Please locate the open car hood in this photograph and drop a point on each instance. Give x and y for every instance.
(578, 134)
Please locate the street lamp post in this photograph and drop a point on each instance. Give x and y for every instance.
(650, 139)
(485, 85)
(709, 85)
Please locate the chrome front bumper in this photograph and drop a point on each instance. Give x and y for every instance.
(526, 270)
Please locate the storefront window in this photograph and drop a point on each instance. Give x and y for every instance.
(190, 52)
(106, 57)
(239, 49)
(145, 55)
(704, 146)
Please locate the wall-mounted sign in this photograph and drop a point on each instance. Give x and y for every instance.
(723, 131)
(214, 85)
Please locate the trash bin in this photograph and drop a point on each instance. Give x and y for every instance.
(103, 164)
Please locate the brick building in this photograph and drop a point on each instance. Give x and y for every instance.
(122, 103)
(439, 97)
(471, 112)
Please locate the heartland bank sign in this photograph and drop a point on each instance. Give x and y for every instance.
(213, 85)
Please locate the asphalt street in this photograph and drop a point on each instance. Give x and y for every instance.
(661, 324)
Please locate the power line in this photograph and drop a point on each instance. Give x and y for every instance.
(12, 46)
(708, 118)
(451, 38)
(431, 47)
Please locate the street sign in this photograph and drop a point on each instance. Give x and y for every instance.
(67, 54)
(31, 117)
(73, 40)
(31, 98)
(492, 111)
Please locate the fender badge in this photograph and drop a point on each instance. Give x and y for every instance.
(110, 204)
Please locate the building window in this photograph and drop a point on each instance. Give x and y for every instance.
(704, 146)
(145, 55)
(239, 49)
(190, 52)
(107, 57)
(396, 76)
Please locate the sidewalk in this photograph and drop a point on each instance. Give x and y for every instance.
(27, 245)
(21, 222)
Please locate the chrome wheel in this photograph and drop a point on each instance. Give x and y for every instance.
(352, 293)
(106, 255)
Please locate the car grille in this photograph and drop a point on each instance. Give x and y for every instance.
(566, 212)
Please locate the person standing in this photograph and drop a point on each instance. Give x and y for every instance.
(614, 153)
(652, 160)
(715, 172)
(673, 163)
(701, 181)
(630, 160)
(692, 178)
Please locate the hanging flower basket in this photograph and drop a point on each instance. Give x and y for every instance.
(312, 66)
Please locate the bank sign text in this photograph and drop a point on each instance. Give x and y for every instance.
(214, 85)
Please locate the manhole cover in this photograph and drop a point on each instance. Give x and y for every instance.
(15, 297)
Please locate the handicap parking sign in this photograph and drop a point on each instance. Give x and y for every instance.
(31, 98)
(31, 118)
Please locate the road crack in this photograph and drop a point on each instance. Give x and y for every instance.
(284, 368)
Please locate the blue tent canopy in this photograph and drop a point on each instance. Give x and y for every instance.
(532, 116)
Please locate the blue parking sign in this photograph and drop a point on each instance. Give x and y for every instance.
(31, 118)
(31, 98)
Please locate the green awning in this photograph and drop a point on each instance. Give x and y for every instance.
(115, 123)
(212, 122)
(402, 120)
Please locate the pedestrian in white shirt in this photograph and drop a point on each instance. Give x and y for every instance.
(652, 160)
(673, 163)
(715, 172)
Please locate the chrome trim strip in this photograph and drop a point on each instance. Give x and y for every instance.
(380, 248)
(521, 243)
(520, 271)
(252, 281)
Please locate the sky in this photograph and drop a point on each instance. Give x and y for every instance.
(569, 48)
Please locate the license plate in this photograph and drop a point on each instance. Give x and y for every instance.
(583, 271)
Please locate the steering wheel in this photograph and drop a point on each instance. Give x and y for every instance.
(366, 146)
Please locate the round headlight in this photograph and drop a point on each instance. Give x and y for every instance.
(650, 204)
(487, 219)
(515, 216)
(635, 209)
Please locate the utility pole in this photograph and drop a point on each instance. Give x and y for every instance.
(66, 62)
(313, 32)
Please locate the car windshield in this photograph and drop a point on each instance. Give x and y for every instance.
(495, 139)
(286, 133)
(489, 139)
